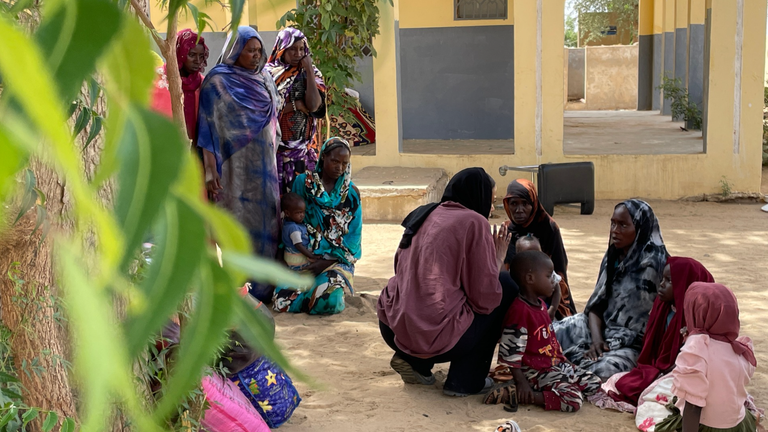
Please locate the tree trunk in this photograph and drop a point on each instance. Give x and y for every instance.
(27, 309)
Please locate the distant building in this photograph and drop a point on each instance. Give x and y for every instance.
(614, 34)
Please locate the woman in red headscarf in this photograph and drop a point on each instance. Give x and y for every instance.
(662, 335)
(192, 57)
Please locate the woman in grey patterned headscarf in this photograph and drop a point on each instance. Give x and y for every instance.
(607, 338)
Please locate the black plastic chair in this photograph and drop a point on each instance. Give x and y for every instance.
(563, 183)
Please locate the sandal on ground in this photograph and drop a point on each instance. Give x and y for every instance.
(407, 373)
(501, 393)
(486, 388)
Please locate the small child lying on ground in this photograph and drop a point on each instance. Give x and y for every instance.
(528, 346)
(531, 243)
(295, 237)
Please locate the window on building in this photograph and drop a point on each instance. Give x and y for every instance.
(612, 31)
(480, 9)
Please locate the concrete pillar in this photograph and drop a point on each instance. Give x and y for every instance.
(696, 35)
(735, 83)
(386, 83)
(681, 41)
(669, 49)
(645, 57)
(658, 52)
(529, 77)
(553, 15)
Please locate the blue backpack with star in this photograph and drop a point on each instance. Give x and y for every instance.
(269, 390)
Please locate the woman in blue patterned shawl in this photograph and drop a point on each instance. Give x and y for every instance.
(334, 222)
(237, 127)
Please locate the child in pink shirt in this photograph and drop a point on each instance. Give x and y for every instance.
(714, 366)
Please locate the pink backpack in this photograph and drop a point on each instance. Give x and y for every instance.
(229, 409)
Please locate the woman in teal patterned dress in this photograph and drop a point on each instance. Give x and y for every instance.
(334, 223)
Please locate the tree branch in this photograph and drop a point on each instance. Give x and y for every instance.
(148, 23)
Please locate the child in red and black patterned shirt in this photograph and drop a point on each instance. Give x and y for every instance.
(529, 347)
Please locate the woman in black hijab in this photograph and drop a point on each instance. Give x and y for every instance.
(445, 302)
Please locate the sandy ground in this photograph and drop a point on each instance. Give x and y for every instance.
(357, 391)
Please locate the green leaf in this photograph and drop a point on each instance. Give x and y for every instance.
(29, 197)
(236, 10)
(129, 84)
(10, 163)
(19, 6)
(50, 421)
(7, 378)
(30, 415)
(203, 336)
(94, 132)
(265, 271)
(94, 89)
(68, 425)
(150, 154)
(74, 38)
(258, 333)
(100, 358)
(8, 416)
(27, 77)
(82, 120)
(227, 232)
(123, 86)
(10, 394)
(181, 243)
(41, 215)
(195, 16)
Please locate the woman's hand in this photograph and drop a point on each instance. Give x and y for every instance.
(501, 238)
(300, 106)
(306, 63)
(212, 179)
(319, 266)
(598, 346)
(597, 349)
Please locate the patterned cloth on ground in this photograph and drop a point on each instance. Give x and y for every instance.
(354, 125)
(269, 390)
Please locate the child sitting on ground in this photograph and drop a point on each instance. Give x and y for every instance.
(531, 243)
(295, 237)
(714, 366)
(529, 347)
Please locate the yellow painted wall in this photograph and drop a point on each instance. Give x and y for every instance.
(658, 16)
(645, 24)
(669, 15)
(439, 13)
(681, 14)
(265, 13)
(697, 11)
(616, 176)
